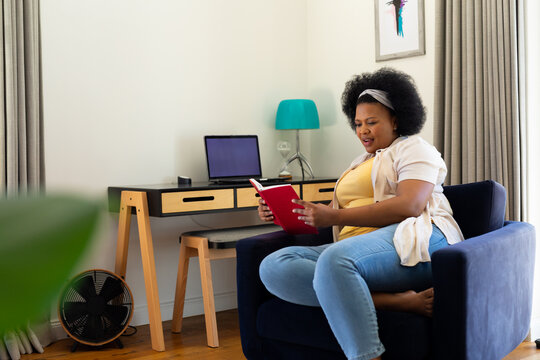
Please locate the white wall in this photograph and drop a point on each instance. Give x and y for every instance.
(131, 86)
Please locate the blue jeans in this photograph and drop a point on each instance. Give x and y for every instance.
(340, 277)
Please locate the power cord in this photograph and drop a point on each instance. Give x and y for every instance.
(133, 332)
(192, 218)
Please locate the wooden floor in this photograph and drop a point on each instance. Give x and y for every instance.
(190, 344)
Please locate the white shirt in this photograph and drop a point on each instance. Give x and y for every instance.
(411, 158)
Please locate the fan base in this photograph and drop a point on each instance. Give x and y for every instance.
(116, 341)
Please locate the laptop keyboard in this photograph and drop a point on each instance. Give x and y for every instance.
(246, 180)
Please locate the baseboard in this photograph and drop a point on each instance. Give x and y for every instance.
(58, 331)
(535, 329)
(192, 307)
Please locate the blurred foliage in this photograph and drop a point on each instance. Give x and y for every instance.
(41, 241)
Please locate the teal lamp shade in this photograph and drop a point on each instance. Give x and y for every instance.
(297, 114)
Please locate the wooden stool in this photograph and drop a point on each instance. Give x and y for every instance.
(208, 245)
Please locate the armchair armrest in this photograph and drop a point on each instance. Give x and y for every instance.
(483, 293)
(251, 291)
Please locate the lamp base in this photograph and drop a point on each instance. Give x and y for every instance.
(285, 173)
(304, 164)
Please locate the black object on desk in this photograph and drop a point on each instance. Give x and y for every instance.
(184, 180)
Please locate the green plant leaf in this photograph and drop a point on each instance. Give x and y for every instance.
(41, 241)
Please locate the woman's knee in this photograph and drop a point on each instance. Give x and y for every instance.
(278, 266)
(332, 264)
(268, 266)
(288, 274)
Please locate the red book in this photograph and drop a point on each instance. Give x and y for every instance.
(279, 200)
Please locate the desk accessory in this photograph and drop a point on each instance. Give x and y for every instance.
(296, 114)
(284, 148)
(184, 180)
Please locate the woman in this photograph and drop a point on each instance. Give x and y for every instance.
(389, 215)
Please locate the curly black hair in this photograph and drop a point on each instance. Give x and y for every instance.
(402, 93)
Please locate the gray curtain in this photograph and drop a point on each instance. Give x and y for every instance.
(477, 117)
(21, 125)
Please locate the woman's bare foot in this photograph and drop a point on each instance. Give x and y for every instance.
(409, 301)
(418, 302)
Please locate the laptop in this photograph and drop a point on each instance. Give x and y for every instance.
(234, 159)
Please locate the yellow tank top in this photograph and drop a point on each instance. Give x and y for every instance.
(355, 189)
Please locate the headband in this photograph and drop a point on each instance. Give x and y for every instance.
(379, 95)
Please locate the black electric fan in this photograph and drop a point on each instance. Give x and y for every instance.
(95, 308)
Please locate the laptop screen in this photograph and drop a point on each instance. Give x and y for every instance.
(232, 156)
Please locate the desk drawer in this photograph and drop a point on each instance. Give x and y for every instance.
(185, 201)
(248, 197)
(318, 191)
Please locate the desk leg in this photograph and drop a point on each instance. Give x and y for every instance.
(122, 244)
(138, 200)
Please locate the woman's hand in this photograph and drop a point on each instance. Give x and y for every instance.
(318, 215)
(264, 211)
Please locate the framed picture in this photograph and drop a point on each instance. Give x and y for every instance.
(399, 29)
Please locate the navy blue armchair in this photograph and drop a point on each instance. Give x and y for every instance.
(483, 293)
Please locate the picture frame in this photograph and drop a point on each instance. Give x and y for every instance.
(399, 29)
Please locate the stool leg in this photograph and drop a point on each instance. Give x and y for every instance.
(181, 281)
(208, 295)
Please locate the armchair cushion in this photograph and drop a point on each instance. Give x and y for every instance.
(408, 335)
(297, 324)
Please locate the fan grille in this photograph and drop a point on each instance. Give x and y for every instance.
(96, 307)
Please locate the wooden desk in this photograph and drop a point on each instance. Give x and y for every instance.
(177, 200)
